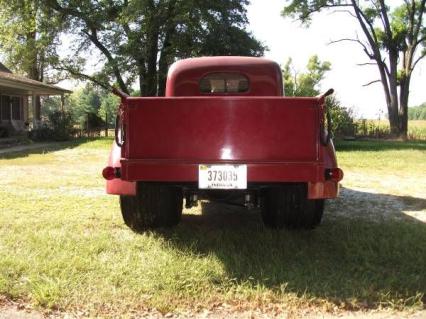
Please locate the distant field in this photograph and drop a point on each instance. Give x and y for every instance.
(380, 128)
(63, 245)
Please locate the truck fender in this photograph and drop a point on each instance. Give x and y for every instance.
(117, 186)
(327, 188)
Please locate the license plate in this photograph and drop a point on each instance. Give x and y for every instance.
(222, 176)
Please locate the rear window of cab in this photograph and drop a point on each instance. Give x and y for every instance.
(225, 82)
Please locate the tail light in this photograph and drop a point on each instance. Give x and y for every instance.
(110, 173)
(334, 174)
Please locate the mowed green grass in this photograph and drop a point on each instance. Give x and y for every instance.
(63, 244)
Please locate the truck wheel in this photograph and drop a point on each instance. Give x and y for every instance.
(288, 206)
(154, 206)
(128, 205)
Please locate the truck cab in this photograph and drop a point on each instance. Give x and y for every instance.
(223, 132)
(224, 76)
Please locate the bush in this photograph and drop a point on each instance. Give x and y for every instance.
(93, 124)
(58, 128)
(342, 122)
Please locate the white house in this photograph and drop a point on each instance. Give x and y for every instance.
(18, 109)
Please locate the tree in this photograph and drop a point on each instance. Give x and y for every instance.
(29, 34)
(305, 84)
(28, 37)
(139, 39)
(394, 38)
(85, 106)
(108, 109)
(309, 84)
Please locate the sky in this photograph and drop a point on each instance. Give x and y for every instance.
(286, 38)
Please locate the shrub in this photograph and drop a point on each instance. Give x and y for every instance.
(93, 124)
(58, 128)
(342, 122)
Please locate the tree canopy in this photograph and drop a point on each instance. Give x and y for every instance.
(308, 83)
(394, 38)
(137, 40)
(29, 34)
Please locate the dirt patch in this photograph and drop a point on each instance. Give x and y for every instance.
(19, 312)
(366, 204)
(13, 310)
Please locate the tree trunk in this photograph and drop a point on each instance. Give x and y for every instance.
(403, 104)
(393, 117)
(393, 106)
(164, 61)
(106, 123)
(162, 74)
(153, 33)
(163, 64)
(141, 74)
(151, 74)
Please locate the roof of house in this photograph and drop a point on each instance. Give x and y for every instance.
(4, 69)
(17, 84)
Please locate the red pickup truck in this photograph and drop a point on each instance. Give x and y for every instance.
(223, 132)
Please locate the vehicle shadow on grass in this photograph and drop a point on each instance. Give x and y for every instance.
(353, 258)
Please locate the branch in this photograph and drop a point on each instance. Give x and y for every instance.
(385, 66)
(93, 36)
(412, 12)
(57, 80)
(386, 23)
(371, 56)
(345, 11)
(372, 40)
(372, 82)
(371, 37)
(418, 60)
(367, 63)
(80, 75)
(313, 9)
(422, 9)
(420, 40)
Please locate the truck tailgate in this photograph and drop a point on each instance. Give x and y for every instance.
(222, 129)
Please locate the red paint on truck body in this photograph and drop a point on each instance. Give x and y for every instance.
(279, 138)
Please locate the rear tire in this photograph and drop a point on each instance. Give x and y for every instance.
(288, 206)
(155, 205)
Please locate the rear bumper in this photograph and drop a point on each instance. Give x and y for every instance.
(180, 171)
(312, 173)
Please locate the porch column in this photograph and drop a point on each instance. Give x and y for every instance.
(34, 108)
(25, 108)
(62, 103)
(10, 111)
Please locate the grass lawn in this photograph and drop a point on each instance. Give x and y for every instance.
(64, 246)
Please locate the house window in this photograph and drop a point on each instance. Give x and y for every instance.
(16, 108)
(224, 83)
(5, 108)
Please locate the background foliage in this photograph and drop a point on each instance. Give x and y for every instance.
(393, 38)
(308, 83)
(417, 112)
